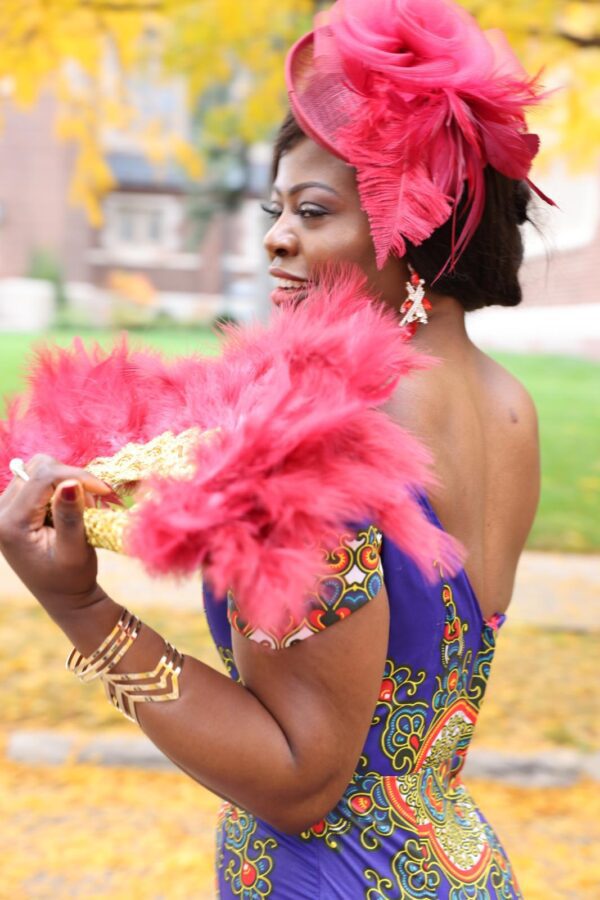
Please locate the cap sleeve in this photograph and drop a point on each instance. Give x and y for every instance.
(354, 575)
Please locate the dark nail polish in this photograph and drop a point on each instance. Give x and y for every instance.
(69, 493)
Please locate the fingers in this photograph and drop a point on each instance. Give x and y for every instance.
(24, 504)
(45, 473)
(44, 468)
(68, 504)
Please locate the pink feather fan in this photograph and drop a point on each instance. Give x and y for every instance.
(302, 453)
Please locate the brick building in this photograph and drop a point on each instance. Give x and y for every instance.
(147, 229)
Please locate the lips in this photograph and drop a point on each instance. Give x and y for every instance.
(283, 275)
(289, 288)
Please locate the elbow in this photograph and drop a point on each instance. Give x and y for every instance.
(294, 826)
(291, 824)
(299, 814)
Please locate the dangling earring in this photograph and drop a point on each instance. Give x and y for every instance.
(416, 306)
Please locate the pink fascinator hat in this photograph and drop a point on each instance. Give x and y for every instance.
(419, 100)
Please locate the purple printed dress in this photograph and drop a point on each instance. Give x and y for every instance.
(406, 826)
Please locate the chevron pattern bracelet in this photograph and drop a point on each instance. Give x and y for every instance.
(126, 691)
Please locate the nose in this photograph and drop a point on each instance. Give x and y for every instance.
(281, 239)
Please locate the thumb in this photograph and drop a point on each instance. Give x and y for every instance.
(68, 504)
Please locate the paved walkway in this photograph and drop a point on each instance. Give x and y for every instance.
(556, 768)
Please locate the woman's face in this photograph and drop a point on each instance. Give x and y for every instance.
(317, 221)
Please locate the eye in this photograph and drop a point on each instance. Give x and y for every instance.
(311, 211)
(271, 209)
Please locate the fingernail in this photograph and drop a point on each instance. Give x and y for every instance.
(112, 498)
(69, 493)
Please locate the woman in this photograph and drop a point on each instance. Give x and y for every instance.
(342, 783)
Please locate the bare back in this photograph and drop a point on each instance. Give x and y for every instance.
(481, 426)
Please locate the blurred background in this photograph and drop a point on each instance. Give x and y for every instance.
(134, 151)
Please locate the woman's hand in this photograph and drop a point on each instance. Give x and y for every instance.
(56, 563)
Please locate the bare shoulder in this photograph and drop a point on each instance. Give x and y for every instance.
(480, 423)
(429, 402)
(508, 397)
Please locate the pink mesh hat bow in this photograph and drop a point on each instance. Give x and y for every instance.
(418, 99)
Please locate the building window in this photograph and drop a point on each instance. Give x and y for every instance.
(155, 226)
(126, 225)
(142, 223)
(140, 227)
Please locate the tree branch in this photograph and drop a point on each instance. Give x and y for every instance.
(592, 40)
(583, 42)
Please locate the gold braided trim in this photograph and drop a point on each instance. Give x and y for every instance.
(125, 690)
(167, 455)
(109, 653)
(105, 528)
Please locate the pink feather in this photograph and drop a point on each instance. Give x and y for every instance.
(418, 99)
(302, 453)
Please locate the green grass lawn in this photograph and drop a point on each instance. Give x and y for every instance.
(565, 392)
(14, 348)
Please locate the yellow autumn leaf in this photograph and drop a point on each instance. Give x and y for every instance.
(230, 55)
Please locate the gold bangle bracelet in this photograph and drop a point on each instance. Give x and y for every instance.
(126, 690)
(110, 652)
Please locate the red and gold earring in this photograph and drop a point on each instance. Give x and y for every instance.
(416, 306)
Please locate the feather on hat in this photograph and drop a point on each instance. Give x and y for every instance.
(418, 99)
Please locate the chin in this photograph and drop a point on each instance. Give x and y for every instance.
(289, 296)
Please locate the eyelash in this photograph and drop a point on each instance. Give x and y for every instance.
(274, 213)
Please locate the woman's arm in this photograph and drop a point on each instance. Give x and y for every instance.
(283, 744)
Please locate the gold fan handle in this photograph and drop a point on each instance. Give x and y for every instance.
(167, 455)
(105, 528)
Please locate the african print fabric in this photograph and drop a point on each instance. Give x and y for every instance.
(406, 826)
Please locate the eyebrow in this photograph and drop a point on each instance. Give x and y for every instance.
(307, 184)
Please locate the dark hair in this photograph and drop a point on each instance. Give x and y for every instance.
(487, 271)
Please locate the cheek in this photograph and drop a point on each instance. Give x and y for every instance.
(352, 243)
(341, 238)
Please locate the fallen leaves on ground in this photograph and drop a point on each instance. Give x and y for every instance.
(551, 836)
(83, 831)
(36, 691)
(542, 692)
